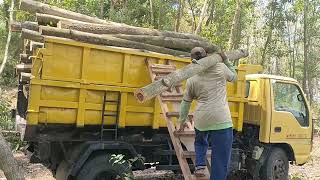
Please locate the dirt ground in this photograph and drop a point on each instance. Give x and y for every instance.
(309, 171)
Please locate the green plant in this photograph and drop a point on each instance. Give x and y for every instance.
(120, 159)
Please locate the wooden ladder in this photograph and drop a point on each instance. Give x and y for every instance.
(183, 142)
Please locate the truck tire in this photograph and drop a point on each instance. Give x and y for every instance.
(103, 167)
(276, 166)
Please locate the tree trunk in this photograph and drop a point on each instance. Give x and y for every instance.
(51, 20)
(17, 26)
(179, 15)
(101, 9)
(175, 78)
(6, 50)
(8, 164)
(194, 23)
(305, 46)
(202, 16)
(172, 43)
(269, 36)
(235, 27)
(106, 40)
(111, 10)
(116, 29)
(38, 7)
(211, 15)
(151, 13)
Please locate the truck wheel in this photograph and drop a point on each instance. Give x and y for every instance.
(104, 167)
(276, 166)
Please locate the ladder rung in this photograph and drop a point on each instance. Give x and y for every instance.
(163, 66)
(194, 177)
(161, 71)
(173, 99)
(165, 95)
(191, 154)
(184, 133)
(109, 114)
(108, 129)
(173, 114)
(112, 101)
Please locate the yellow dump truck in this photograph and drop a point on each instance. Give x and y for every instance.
(79, 110)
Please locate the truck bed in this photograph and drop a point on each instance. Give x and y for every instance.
(69, 80)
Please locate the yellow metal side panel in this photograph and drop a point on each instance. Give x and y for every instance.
(105, 67)
(62, 63)
(33, 106)
(58, 115)
(138, 72)
(59, 94)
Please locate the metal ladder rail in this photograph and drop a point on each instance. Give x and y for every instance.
(103, 115)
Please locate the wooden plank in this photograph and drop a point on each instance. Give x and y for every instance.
(184, 133)
(192, 154)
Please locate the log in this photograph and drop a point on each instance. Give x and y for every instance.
(8, 164)
(169, 42)
(156, 88)
(32, 35)
(106, 40)
(47, 19)
(38, 7)
(18, 26)
(129, 30)
(25, 58)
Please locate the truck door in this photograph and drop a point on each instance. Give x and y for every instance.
(291, 119)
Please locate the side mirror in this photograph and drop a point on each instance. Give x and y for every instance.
(300, 98)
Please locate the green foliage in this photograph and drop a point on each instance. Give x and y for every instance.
(6, 121)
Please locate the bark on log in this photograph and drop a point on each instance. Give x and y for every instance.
(130, 30)
(168, 42)
(175, 78)
(106, 40)
(18, 26)
(38, 7)
(32, 35)
(8, 164)
(47, 19)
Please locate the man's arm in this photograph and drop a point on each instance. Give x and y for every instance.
(186, 103)
(231, 73)
(184, 111)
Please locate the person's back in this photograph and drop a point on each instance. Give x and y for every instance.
(212, 116)
(209, 89)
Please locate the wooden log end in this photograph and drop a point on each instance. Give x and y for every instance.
(140, 96)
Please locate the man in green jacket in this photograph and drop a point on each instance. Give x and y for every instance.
(212, 117)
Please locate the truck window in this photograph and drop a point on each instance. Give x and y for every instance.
(289, 98)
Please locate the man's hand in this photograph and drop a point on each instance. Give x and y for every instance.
(223, 56)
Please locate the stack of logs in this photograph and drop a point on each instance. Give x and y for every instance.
(54, 21)
(61, 23)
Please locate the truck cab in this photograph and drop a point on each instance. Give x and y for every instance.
(279, 112)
